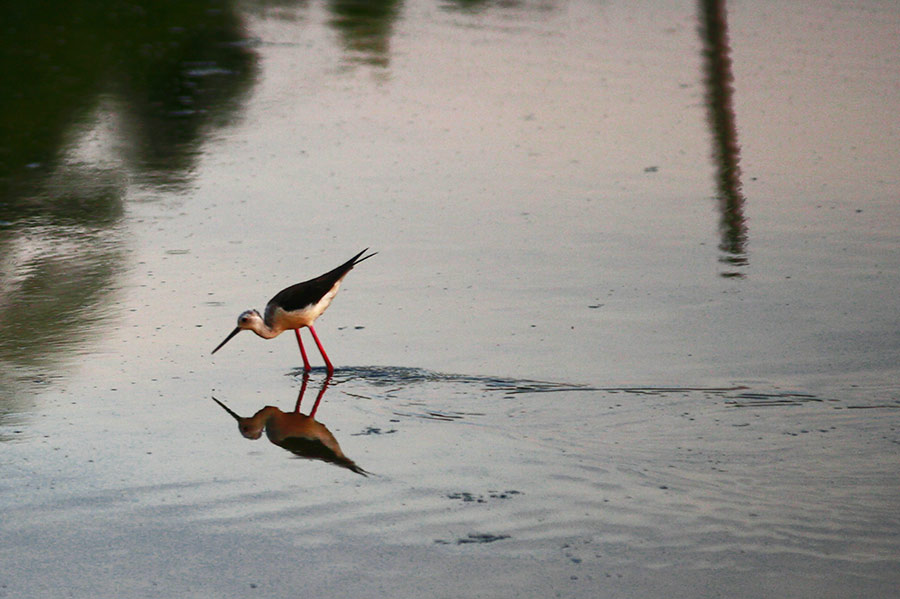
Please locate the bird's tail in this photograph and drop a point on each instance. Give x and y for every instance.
(356, 259)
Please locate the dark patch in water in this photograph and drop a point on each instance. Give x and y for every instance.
(762, 400)
(467, 497)
(473, 537)
(374, 430)
(398, 378)
(392, 380)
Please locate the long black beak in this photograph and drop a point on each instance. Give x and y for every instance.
(227, 409)
(227, 339)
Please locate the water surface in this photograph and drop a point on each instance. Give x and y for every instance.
(632, 328)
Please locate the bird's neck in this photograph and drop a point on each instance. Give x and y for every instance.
(265, 414)
(264, 330)
(261, 419)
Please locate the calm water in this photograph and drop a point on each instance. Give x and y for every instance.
(632, 330)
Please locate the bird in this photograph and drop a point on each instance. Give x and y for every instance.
(298, 433)
(296, 307)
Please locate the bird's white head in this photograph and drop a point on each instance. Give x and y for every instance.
(248, 320)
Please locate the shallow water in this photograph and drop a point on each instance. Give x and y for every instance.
(632, 329)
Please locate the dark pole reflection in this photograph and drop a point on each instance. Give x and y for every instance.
(726, 150)
(300, 434)
(365, 27)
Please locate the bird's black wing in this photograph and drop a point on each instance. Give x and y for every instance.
(309, 292)
(314, 449)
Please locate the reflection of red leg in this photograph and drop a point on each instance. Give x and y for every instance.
(312, 412)
(306, 365)
(328, 365)
(302, 391)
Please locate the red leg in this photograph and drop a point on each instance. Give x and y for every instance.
(328, 365)
(302, 392)
(306, 365)
(312, 413)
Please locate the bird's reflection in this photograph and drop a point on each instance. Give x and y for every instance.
(301, 434)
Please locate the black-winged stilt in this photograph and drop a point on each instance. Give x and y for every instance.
(302, 435)
(296, 307)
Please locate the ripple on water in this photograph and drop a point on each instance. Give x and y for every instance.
(733, 477)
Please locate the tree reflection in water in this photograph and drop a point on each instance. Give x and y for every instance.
(99, 99)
